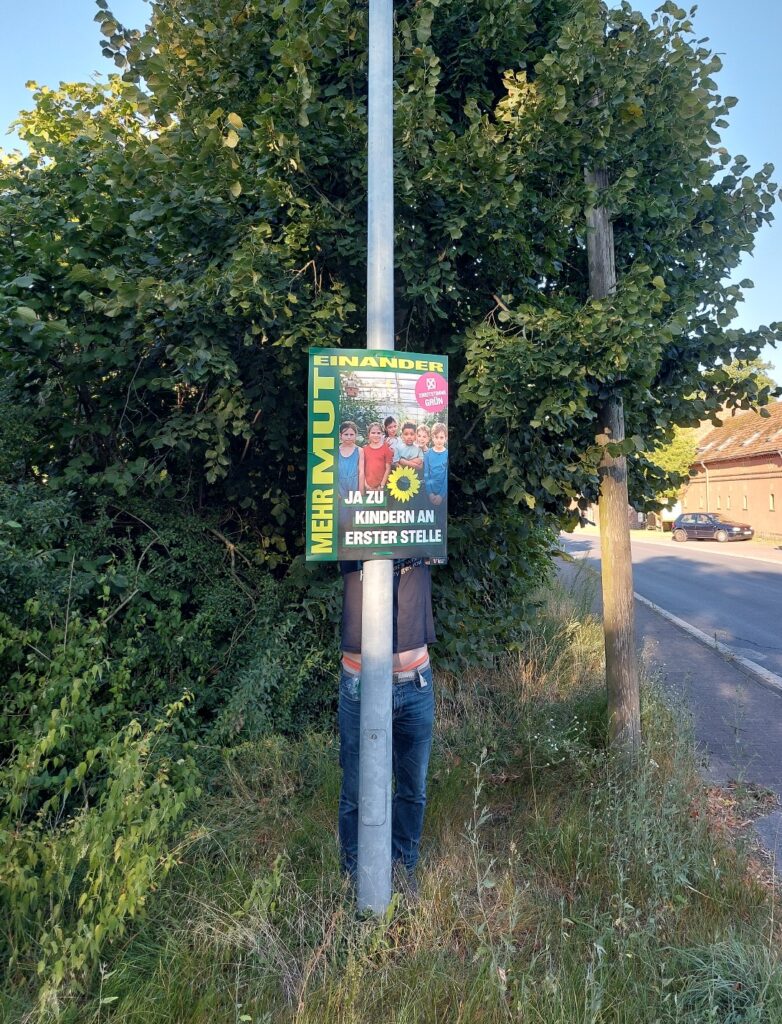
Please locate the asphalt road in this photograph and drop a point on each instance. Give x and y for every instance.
(732, 592)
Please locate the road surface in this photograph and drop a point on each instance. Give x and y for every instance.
(732, 592)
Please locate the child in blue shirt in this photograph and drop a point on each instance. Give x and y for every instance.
(436, 466)
(350, 464)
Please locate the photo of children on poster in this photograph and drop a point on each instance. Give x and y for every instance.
(377, 470)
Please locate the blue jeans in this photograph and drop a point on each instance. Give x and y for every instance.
(412, 721)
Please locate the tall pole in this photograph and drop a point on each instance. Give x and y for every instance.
(624, 720)
(374, 773)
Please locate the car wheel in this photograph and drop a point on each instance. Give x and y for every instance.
(680, 535)
(721, 536)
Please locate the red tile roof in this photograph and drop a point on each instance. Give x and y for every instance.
(746, 434)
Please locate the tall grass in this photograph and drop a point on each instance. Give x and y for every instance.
(554, 887)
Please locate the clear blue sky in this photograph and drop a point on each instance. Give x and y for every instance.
(50, 41)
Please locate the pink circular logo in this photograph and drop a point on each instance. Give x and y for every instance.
(431, 392)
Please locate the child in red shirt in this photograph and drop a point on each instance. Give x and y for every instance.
(377, 459)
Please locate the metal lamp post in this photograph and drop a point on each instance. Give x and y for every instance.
(374, 816)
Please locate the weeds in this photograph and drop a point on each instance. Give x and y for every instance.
(555, 889)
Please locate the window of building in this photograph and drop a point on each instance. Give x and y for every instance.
(771, 507)
(727, 502)
(719, 502)
(745, 503)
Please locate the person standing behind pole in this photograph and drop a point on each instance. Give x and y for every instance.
(412, 715)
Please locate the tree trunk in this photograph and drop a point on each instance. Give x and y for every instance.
(617, 567)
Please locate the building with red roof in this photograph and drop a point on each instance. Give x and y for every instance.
(738, 471)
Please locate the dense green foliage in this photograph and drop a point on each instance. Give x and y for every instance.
(176, 240)
(637, 101)
(554, 889)
(675, 460)
(123, 638)
(176, 251)
(172, 245)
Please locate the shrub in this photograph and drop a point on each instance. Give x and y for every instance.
(86, 803)
(485, 595)
(125, 635)
(131, 631)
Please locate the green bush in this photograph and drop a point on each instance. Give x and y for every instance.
(126, 634)
(484, 596)
(185, 606)
(130, 632)
(86, 803)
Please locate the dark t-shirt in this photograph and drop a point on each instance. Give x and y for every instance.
(413, 619)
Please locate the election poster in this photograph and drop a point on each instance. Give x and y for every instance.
(377, 467)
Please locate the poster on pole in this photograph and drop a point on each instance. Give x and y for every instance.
(377, 464)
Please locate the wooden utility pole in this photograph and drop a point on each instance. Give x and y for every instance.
(617, 566)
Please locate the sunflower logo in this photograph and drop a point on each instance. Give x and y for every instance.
(403, 483)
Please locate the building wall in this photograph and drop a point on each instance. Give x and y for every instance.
(748, 490)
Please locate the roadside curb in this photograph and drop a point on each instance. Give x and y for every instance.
(769, 679)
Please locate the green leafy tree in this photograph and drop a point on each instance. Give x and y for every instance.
(753, 372)
(178, 238)
(638, 101)
(675, 459)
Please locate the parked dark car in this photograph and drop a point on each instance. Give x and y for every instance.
(709, 526)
